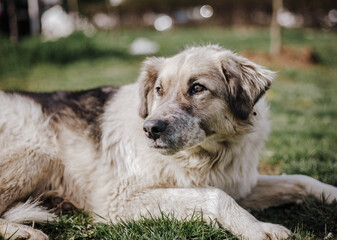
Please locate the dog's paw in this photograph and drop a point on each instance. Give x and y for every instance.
(37, 235)
(331, 196)
(18, 231)
(275, 231)
(266, 231)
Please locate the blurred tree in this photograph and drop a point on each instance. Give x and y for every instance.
(275, 29)
(226, 12)
(34, 16)
(13, 23)
(72, 6)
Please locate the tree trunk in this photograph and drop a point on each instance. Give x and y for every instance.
(13, 23)
(275, 29)
(72, 6)
(34, 16)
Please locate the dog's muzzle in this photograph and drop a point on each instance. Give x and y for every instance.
(154, 128)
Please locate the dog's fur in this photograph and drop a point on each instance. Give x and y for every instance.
(90, 147)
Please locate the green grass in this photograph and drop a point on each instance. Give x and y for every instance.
(79, 226)
(311, 220)
(303, 111)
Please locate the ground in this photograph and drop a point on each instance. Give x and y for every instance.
(303, 111)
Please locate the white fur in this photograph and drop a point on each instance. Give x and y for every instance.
(29, 211)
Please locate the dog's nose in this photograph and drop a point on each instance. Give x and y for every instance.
(154, 128)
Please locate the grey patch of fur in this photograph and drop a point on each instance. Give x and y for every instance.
(75, 109)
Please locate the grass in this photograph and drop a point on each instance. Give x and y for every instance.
(305, 220)
(303, 111)
(79, 226)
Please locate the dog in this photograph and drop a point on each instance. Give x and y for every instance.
(184, 138)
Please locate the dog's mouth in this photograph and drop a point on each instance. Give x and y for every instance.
(157, 145)
(162, 147)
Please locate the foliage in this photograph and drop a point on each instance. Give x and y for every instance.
(62, 51)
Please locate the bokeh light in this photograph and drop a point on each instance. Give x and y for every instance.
(115, 3)
(206, 11)
(163, 23)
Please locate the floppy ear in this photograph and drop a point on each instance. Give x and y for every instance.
(246, 81)
(146, 81)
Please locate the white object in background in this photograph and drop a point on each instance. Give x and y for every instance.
(56, 23)
(115, 3)
(163, 22)
(143, 46)
(206, 11)
(105, 21)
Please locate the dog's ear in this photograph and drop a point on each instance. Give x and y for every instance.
(246, 81)
(148, 76)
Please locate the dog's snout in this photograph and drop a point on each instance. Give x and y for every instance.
(154, 128)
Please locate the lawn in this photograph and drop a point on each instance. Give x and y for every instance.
(303, 103)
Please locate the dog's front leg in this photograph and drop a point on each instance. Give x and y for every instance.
(214, 203)
(277, 190)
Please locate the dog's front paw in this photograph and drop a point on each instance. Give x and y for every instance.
(266, 231)
(18, 231)
(275, 231)
(331, 195)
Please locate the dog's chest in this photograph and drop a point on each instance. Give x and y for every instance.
(234, 172)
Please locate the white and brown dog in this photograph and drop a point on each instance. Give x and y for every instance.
(186, 137)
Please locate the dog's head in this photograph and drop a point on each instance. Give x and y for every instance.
(200, 92)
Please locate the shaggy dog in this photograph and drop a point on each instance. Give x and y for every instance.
(185, 138)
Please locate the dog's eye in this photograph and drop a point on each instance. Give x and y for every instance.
(196, 88)
(160, 91)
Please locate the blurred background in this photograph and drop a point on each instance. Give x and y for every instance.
(49, 45)
(57, 18)
(39, 36)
